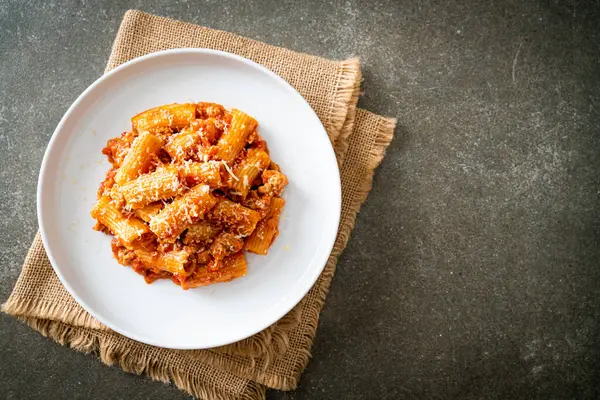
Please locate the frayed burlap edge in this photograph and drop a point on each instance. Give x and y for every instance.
(385, 133)
(341, 144)
(343, 107)
(60, 313)
(133, 362)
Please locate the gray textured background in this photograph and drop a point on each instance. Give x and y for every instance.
(473, 268)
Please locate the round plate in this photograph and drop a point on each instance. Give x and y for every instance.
(162, 314)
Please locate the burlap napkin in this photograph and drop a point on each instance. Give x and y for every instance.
(273, 358)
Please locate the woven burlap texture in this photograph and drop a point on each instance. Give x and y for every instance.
(275, 357)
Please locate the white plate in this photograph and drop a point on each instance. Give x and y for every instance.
(162, 314)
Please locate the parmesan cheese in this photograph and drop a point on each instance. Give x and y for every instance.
(229, 170)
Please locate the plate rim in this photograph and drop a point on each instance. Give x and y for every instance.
(44, 169)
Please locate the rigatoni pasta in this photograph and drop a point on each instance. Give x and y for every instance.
(256, 161)
(148, 188)
(202, 172)
(126, 229)
(138, 160)
(171, 116)
(234, 140)
(148, 212)
(171, 261)
(232, 267)
(267, 229)
(185, 210)
(191, 187)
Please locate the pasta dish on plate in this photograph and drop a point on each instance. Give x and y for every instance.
(191, 187)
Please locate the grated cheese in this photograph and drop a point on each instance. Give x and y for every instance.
(229, 170)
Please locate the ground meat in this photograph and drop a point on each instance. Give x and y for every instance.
(207, 110)
(257, 203)
(273, 183)
(225, 243)
(117, 148)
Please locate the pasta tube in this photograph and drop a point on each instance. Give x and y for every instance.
(146, 213)
(233, 267)
(185, 210)
(148, 188)
(137, 161)
(172, 261)
(266, 230)
(126, 229)
(248, 170)
(172, 116)
(233, 139)
(197, 172)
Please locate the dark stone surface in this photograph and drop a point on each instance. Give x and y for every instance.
(473, 270)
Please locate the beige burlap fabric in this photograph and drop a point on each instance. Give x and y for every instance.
(275, 357)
